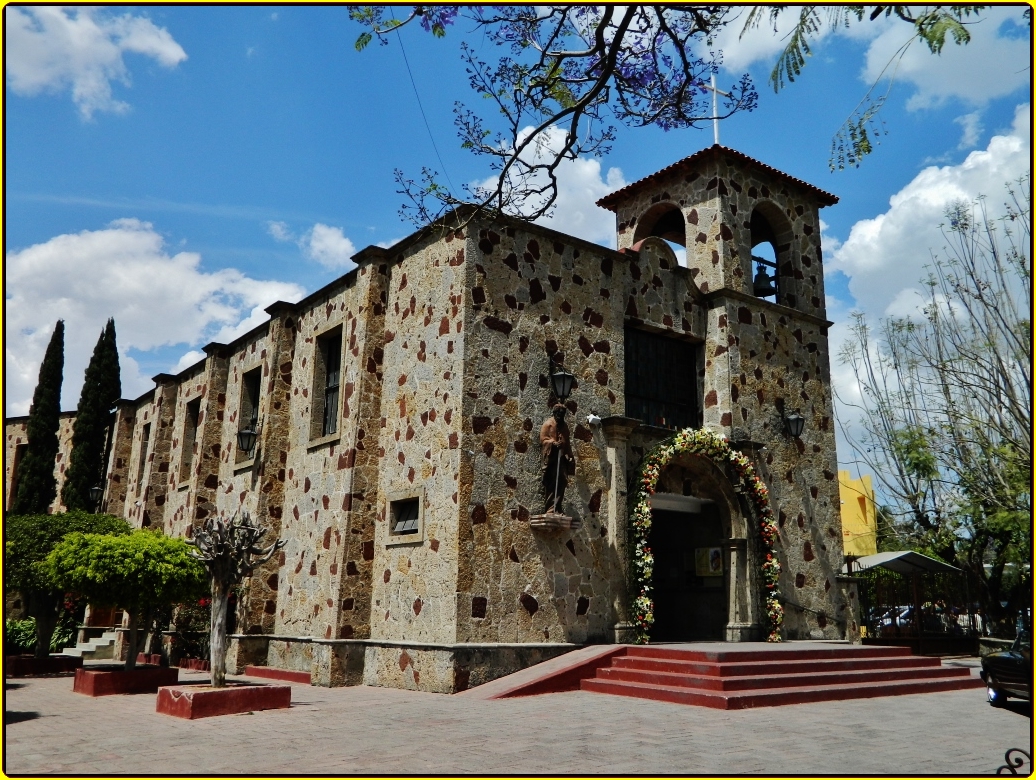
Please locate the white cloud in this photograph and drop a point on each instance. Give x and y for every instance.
(280, 231)
(580, 186)
(884, 257)
(51, 49)
(995, 63)
(971, 129)
(992, 65)
(124, 271)
(326, 244)
(759, 44)
(887, 254)
(187, 360)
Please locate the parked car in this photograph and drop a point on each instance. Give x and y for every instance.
(1009, 673)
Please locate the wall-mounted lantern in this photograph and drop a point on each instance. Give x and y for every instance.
(560, 382)
(247, 437)
(793, 424)
(96, 494)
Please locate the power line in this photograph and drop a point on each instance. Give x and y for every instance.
(423, 116)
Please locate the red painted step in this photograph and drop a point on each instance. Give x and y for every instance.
(762, 678)
(717, 683)
(272, 673)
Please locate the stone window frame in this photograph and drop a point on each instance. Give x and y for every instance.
(241, 459)
(397, 498)
(318, 387)
(145, 444)
(192, 423)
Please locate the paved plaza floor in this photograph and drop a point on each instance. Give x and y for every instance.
(361, 730)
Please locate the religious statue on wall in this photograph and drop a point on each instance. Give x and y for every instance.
(558, 462)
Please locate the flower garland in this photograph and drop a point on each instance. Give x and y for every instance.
(697, 442)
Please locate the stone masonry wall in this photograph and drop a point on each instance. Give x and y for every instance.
(414, 580)
(533, 295)
(316, 520)
(15, 435)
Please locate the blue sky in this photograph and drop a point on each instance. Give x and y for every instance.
(181, 167)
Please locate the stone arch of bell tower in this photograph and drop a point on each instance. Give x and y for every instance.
(662, 220)
(769, 227)
(720, 194)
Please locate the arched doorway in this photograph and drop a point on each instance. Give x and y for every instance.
(704, 584)
(692, 573)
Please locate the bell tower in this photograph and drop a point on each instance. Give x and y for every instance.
(752, 239)
(747, 226)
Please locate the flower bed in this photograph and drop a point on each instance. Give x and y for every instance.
(197, 701)
(107, 681)
(29, 666)
(707, 444)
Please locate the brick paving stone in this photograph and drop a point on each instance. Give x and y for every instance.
(387, 731)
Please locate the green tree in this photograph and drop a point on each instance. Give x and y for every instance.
(946, 402)
(141, 572)
(29, 539)
(101, 390)
(37, 487)
(565, 73)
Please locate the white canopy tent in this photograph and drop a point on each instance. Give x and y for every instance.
(901, 561)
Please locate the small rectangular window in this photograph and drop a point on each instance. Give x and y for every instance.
(145, 439)
(327, 371)
(405, 520)
(190, 435)
(248, 412)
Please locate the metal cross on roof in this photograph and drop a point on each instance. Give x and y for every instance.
(715, 114)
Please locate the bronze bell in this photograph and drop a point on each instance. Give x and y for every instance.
(763, 285)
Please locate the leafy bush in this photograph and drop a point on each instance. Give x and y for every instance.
(143, 572)
(191, 624)
(19, 636)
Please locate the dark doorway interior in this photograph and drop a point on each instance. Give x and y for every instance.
(690, 605)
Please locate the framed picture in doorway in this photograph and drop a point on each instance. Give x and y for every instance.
(708, 562)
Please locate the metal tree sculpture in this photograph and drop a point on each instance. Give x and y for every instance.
(229, 551)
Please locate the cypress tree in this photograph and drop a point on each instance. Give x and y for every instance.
(101, 390)
(37, 486)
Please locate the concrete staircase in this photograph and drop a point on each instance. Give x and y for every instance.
(733, 679)
(94, 649)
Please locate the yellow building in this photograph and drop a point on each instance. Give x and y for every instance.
(859, 515)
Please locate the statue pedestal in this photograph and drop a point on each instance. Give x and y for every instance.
(554, 522)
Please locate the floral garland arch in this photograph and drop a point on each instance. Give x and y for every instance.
(692, 441)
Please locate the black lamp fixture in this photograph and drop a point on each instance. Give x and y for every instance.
(247, 437)
(793, 424)
(560, 382)
(96, 494)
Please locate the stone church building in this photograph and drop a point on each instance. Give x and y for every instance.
(398, 413)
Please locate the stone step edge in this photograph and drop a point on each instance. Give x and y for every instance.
(777, 696)
(795, 654)
(736, 668)
(902, 673)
